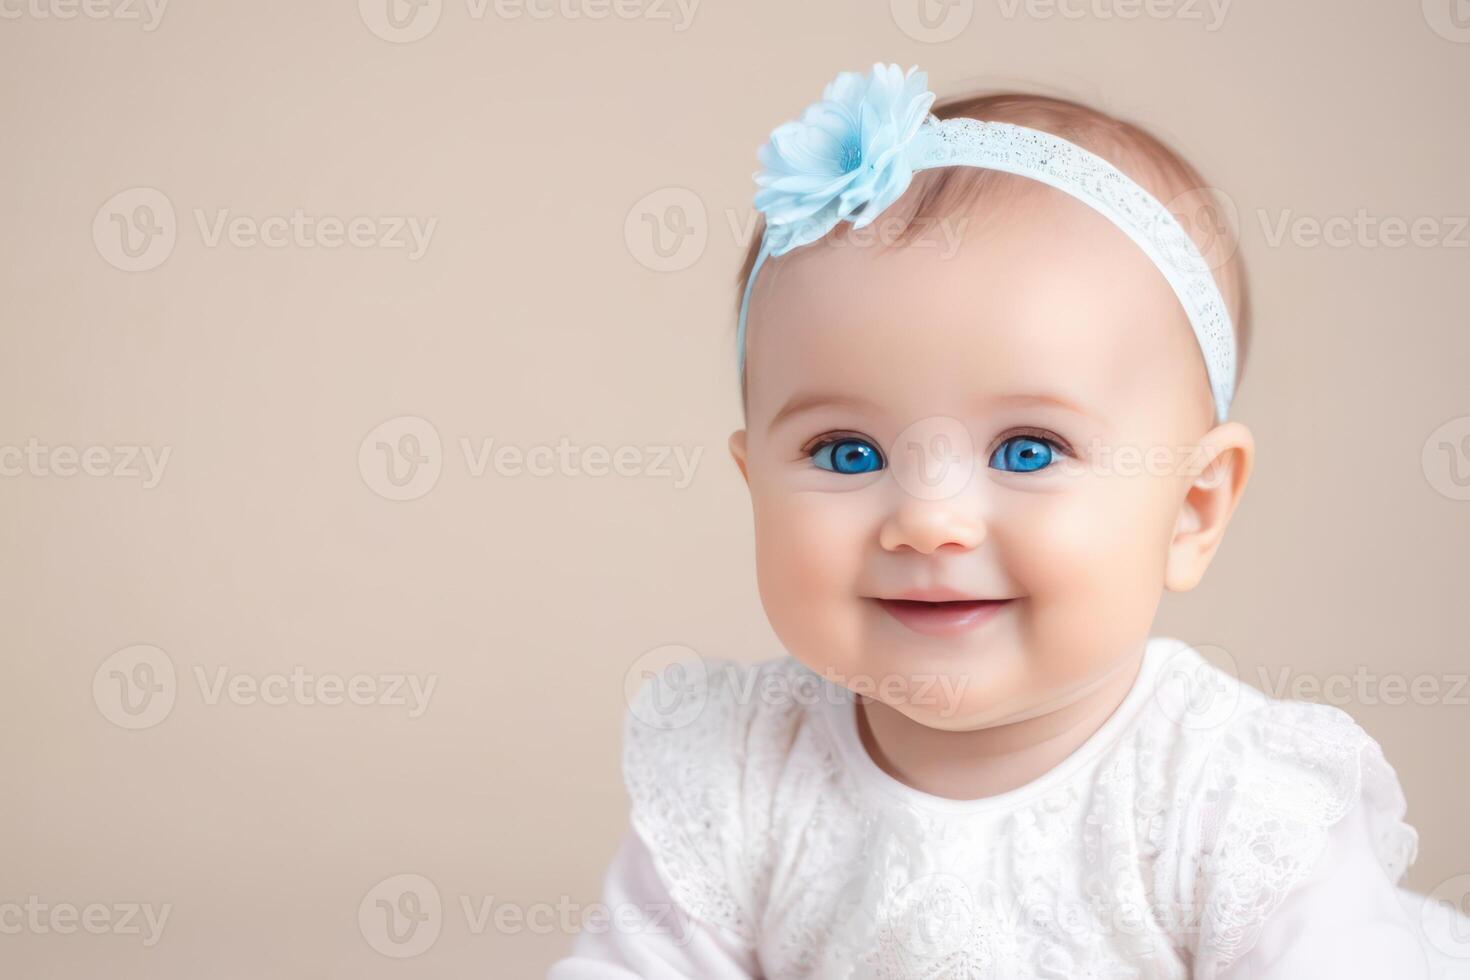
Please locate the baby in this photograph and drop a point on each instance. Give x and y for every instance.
(974, 470)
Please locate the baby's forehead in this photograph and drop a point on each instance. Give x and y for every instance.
(1026, 290)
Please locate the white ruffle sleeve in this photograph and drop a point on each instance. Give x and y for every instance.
(646, 935)
(1345, 920)
(1266, 846)
(1299, 843)
(697, 761)
(701, 749)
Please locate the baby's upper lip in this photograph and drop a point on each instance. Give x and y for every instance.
(939, 594)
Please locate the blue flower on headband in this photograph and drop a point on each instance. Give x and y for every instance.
(845, 160)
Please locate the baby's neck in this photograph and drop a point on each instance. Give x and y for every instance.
(974, 764)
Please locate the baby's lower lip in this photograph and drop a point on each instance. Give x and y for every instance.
(943, 618)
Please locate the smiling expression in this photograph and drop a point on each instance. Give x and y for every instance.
(927, 446)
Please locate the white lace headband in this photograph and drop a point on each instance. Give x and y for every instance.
(854, 153)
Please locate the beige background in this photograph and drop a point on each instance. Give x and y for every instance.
(541, 311)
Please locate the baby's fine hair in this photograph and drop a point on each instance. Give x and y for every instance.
(942, 192)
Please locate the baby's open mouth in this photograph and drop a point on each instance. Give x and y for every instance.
(944, 617)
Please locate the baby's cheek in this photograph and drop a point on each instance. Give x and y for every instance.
(1091, 566)
(809, 552)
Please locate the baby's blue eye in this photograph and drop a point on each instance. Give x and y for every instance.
(848, 455)
(1022, 454)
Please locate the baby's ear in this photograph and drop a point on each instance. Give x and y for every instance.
(737, 452)
(1218, 475)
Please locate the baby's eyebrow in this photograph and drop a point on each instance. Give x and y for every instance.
(817, 399)
(811, 400)
(1042, 398)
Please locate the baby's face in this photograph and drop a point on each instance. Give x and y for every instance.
(931, 424)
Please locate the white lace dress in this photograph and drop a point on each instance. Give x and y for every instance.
(1205, 830)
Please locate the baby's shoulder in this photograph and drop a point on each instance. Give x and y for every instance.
(694, 706)
(1253, 786)
(1230, 749)
(708, 747)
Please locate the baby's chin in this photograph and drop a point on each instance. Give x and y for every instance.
(958, 709)
(968, 684)
(956, 691)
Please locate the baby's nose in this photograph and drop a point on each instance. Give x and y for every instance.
(926, 526)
